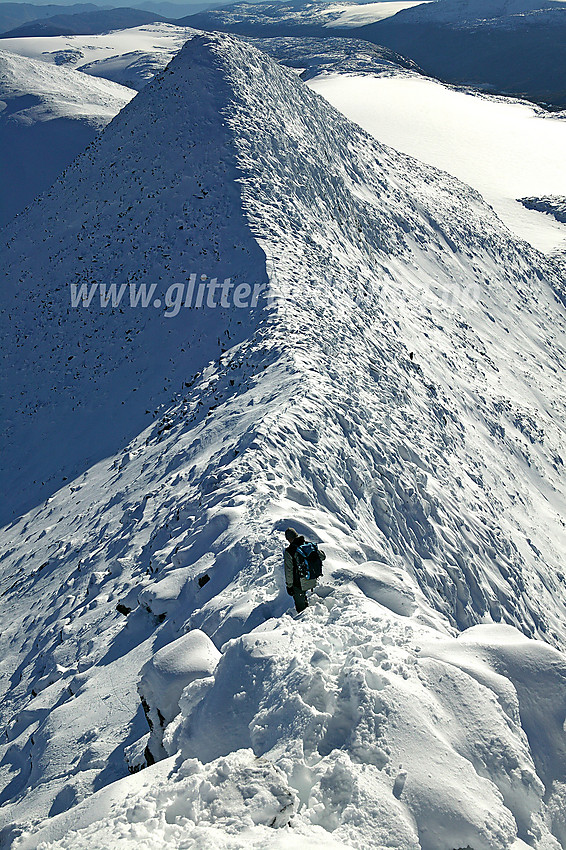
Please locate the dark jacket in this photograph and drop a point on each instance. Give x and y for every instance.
(292, 578)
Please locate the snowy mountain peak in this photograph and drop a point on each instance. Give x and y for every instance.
(394, 394)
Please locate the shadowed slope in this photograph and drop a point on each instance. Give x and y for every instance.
(155, 200)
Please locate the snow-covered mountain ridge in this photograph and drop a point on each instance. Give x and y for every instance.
(133, 57)
(293, 15)
(47, 117)
(55, 93)
(397, 396)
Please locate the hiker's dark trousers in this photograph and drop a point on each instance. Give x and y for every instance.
(300, 597)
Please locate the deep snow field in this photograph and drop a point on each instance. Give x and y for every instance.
(396, 394)
(505, 149)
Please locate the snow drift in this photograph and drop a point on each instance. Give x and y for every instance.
(395, 394)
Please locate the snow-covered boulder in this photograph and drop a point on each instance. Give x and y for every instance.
(163, 678)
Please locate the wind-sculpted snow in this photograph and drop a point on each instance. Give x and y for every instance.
(395, 395)
(337, 726)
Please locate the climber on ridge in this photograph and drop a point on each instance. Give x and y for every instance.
(303, 567)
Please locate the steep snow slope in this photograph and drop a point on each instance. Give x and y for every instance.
(395, 394)
(502, 148)
(48, 116)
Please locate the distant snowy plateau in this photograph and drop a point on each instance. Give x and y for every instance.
(395, 392)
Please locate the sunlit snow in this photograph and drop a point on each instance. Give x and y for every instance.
(357, 15)
(130, 57)
(504, 149)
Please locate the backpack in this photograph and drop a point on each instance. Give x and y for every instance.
(309, 561)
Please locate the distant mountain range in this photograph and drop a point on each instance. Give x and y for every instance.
(173, 11)
(13, 15)
(288, 17)
(463, 12)
(506, 47)
(521, 54)
(84, 23)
